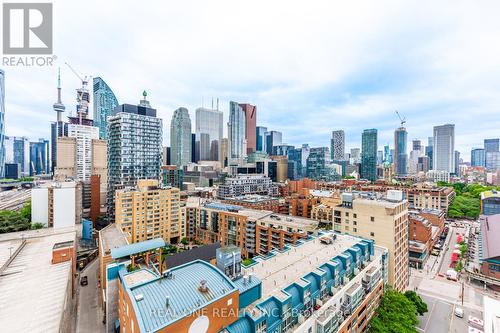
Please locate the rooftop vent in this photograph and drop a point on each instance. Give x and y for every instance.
(203, 286)
(139, 297)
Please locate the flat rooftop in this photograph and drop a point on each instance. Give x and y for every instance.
(284, 268)
(111, 237)
(181, 289)
(253, 198)
(33, 291)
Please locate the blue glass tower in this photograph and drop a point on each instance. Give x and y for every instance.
(400, 146)
(104, 103)
(477, 157)
(369, 154)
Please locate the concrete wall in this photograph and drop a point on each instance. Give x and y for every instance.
(40, 205)
(64, 207)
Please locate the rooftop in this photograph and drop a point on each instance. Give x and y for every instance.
(180, 288)
(130, 249)
(30, 282)
(205, 252)
(253, 198)
(490, 194)
(112, 237)
(282, 269)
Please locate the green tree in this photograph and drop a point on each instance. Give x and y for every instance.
(420, 305)
(11, 221)
(184, 241)
(396, 314)
(26, 211)
(459, 266)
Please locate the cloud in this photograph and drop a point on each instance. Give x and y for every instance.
(309, 67)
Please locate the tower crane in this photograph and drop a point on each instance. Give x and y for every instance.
(402, 119)
(83, 96)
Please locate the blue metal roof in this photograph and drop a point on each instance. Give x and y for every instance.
(242, 287)
(272, 309)
(293, 290)
(128, 250)
(184, 296)
(242, 325)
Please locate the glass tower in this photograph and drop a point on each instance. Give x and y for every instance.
(273, 138)
(491, 145)
(477, 157)
(209, 128)
(104, 103)
(401, 154)
(39, 157)
(369, 154)
(236, 130)
(261, 138)
(2, 124)
(134, 148)
(443, 158)
(180, 138)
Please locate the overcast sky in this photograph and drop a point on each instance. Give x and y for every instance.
(310, 66)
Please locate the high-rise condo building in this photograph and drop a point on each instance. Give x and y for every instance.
(369, 154)
(337, 145)
(456, 156)
(250, 126)
(261, 138)
(429, 150)
(39, 157)
(134, 147)
(2, 124)
(317, 162)
(400, 151)
(209, 130)
(493, 160)
(180, 138)
(382, 219)
(147, 211)
(491, 145)
(104, 103)
(356, 155)
(236, 131)
(224, 151)
(477, 157)
(443, 158)
(273, 138)
(17, 151)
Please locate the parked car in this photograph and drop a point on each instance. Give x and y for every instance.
(459, 312)
(84, 280)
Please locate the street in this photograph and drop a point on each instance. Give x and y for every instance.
(443, 296)
(89, 318)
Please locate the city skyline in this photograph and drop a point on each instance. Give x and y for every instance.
(435, 79)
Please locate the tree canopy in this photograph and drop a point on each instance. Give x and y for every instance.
(420, 305)
(396, 314)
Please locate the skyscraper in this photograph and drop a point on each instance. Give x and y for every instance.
(236, 131)
(209, 128)
(400, 151)
(17, 150)
(180, 138)
(317, 162)
(59, 127)
(104, 103)
(491, 145)
(355, 155)
(273, 138)
(250, 126)
(429, 150)
(337, 146)
(134, 147)
(443, 148)
(369, 154)
(477, 157)
(261, 138)
(456, 156)
(2, 124)
(39, 157)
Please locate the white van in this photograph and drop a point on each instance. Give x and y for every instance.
(459, 312)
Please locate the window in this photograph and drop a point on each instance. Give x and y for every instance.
(372, 234)
(372, 218)
(355, 229)
(346, 213)
(355, 223)
(354, 215)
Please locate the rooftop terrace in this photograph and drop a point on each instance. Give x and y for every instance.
(282, 269)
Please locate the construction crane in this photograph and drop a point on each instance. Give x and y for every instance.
(402, 119)
(83, 96)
